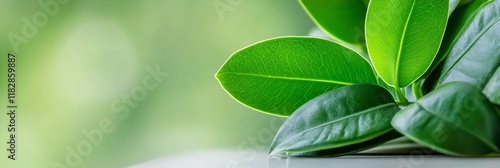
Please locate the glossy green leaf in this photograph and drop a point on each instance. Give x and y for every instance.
(462, 18)
(457, 3)
(404, 36)
(465, 2)
(475, 54)
(391, 89)
(492, 89)
(340, 121)
(453, 5)
(351, 149)
(366, 2)
(343, 19)
(277, 76)
(455, 119)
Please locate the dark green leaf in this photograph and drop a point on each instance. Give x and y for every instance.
(343, 19)
(366, 2)
(462, 18)
(453, 5)
(277, 76)
(340, 121)
(404, 36)
(465, 2)
(350, 149)
(455, 119)
(475, 54)
(492, 89)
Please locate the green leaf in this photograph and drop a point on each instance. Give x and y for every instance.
(475, 54)
(391, 89)
(465, 2)
(455, 119)
(366, 2)
(340, 121)
(462, 18)
(350, 149)
(453, 5)
(492, 89)
(277, 76)
(457, 3)
(404, 36)
(342, 19)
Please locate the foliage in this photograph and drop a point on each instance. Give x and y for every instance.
(338, 103)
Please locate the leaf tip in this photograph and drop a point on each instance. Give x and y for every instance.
(273, 150)
(272, 153)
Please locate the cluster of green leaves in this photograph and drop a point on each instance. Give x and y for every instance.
(337, 102)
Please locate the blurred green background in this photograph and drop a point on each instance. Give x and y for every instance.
(92, 52)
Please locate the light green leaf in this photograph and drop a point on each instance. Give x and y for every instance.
(404, 36)
(455, 119)
(475, 54)
(492, 89)
(277, 76)
(342, 121)
(342, 19)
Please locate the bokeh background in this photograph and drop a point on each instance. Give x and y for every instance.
(93, 52)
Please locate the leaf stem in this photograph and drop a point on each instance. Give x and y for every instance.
(402, 99)
(417, 90)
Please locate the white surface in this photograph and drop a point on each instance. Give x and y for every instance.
(252, 159)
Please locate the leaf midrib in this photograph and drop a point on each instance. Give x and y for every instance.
(289, 78)
(400, 50)
(338, 120)
(445, 119)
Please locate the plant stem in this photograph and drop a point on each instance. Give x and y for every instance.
(402, 99)
(417, 90)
